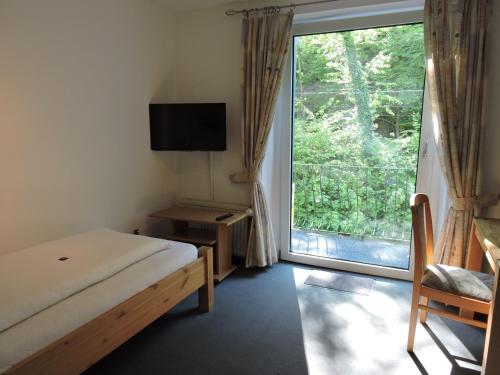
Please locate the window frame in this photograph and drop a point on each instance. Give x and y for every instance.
(338, 20)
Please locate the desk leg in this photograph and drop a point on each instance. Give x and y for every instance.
(224, 253)
(475, 253)
(473, 262)
(491, 359)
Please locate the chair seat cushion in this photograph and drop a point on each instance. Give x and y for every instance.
(459, 281)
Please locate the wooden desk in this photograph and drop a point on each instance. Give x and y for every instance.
(485, 240)
(221, 237)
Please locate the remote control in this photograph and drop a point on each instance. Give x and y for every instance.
(222, 217)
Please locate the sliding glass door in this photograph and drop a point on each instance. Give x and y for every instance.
(354, 144)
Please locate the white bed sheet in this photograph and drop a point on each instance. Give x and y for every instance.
(31, 335)
(34, 279)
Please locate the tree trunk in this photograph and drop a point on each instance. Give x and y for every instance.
(396, 126)
(360, 93)
(301, 85)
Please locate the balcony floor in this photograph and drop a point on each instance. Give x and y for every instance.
(351, 248)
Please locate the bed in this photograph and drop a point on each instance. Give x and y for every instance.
(73, 328)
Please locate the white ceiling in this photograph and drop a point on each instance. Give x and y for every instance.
(182, 5)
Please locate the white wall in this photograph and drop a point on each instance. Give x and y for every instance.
(76, 78)
(208, 69)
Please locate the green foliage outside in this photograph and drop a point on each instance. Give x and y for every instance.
(357, 115)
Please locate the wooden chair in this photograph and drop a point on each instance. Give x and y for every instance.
(468, 290)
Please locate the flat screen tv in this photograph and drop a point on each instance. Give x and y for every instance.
(188, 127)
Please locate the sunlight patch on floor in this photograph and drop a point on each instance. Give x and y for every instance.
(358, 334)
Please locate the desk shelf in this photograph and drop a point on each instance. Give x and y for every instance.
(196, 236)
(220, 238)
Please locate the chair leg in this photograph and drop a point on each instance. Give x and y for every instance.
(423, 313)
(413, 317)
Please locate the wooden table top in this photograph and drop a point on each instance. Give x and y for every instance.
(488, 234)
(199, 215)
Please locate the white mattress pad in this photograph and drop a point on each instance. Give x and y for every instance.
(38, 277)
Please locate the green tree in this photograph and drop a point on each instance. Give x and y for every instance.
(347, 84)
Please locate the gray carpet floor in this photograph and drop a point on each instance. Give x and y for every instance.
(269, 322)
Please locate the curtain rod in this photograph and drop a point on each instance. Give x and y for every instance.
(233, 12)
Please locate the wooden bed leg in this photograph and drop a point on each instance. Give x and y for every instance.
(206, 292)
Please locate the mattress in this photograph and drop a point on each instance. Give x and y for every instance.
(36, 278)
(47, 326)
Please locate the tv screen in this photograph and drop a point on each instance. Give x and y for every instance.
(188, 127)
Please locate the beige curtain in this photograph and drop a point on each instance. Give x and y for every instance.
(455, 32)
(265, 39)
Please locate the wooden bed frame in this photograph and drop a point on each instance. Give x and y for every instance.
(80, 349)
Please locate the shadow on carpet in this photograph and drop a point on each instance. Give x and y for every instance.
(255, 328)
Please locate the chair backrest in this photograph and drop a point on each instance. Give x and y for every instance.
(422, 233)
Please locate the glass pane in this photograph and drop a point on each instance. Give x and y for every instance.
(356, 125)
